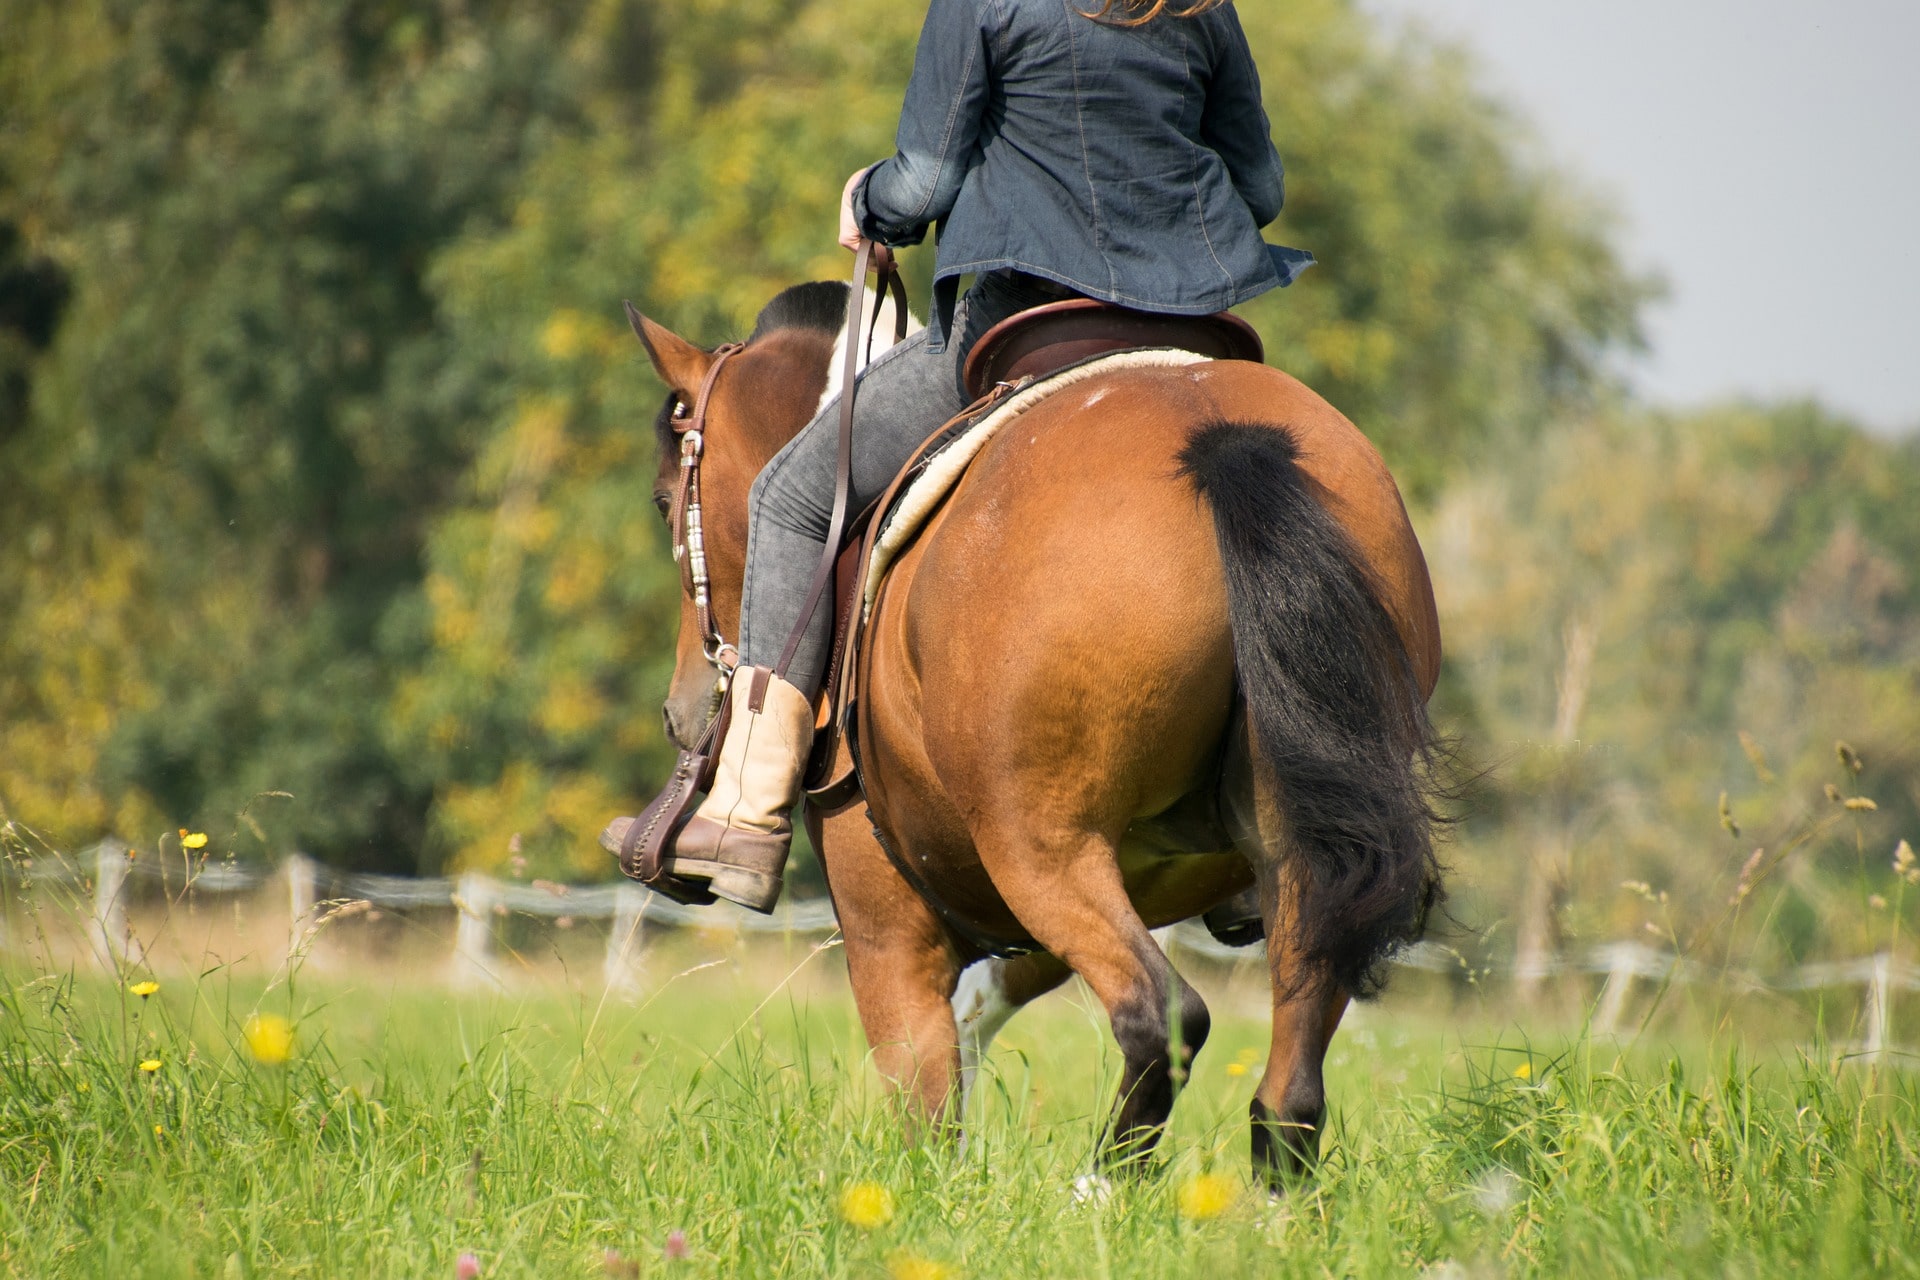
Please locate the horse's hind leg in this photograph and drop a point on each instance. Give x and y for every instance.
(1065, 887)
(1290, 1105)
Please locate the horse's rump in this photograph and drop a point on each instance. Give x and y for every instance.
(1074, 614)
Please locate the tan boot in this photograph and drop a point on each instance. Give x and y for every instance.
(738, 839)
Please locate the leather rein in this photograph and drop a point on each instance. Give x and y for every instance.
(690, 425)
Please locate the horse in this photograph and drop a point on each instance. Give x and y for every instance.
(1169, 640)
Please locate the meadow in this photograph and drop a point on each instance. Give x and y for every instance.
(355, 1118)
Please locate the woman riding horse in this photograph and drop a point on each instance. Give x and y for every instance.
(1122, 155)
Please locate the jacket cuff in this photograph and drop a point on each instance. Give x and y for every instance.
(893, 235)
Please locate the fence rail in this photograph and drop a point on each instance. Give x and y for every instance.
(314, 891)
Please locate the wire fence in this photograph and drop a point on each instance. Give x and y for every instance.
(106, 874)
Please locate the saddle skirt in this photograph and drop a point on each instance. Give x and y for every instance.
(891, 524)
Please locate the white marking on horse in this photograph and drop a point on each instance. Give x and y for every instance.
(980, 1010)
(882, 341)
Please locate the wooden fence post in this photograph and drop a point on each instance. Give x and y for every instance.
(473, 899)
(302, 877)
(1613, 997)
(1879, 1005)
(113, 940)
(623, 939)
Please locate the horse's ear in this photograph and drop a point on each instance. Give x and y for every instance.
(680, 364)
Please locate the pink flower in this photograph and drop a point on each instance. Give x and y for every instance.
(676, 1245)
(467, 1267)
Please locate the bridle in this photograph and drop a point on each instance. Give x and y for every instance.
(683, 517)
(690, 426)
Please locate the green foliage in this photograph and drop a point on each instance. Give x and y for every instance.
(332, 480)
(326, 460)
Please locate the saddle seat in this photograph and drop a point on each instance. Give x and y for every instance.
(1044, 340)
(1016, 364)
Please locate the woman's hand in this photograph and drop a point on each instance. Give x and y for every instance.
(850, 236)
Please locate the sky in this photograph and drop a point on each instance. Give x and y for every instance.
(1764, 158)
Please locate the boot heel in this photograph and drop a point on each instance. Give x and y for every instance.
(754, 890)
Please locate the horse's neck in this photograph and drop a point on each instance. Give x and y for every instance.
(882, 341)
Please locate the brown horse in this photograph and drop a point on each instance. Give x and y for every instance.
(1170, 638)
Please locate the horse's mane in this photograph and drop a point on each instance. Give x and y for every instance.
(819, 305)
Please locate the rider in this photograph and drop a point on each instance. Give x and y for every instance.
(1122, 155)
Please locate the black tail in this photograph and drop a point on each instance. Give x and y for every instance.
(1339, 725)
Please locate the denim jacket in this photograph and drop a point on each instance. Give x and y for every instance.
(1130, 164)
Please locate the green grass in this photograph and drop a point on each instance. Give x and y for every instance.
(541, 1130)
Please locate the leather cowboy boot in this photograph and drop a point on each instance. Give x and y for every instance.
(737, 841)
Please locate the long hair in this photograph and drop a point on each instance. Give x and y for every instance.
(1140, 12)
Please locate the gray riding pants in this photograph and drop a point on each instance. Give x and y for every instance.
(904, 396)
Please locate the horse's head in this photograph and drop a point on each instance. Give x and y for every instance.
(761, 398)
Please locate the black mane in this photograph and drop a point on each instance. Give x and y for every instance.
(819, 305)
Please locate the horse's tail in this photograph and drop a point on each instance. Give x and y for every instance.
(1338, 722)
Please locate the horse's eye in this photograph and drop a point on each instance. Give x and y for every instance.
(663, 505)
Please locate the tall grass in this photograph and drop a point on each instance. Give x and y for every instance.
(542, 1131)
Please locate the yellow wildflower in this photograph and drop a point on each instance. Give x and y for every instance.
(144, 989)
(907, 1266)
(193, 839)
(1207, 1196)
(269, 1038)
(866, 1205)
(1236, 1068)
(1523, 1072)
(150, 1066)
(159, 1131)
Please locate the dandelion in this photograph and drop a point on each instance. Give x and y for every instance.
(467, 1267)
(1206, 1196)
(144, 989)
(908, 1266)
(866, 1205)
(676, 1247)
(159, 1131)
(192, 839)
(1236, 1069)
(269, 1038)
(150, 1066)
(1523, 1072)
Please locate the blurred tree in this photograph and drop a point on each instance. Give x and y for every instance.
(1745, 576)
(253, 411)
